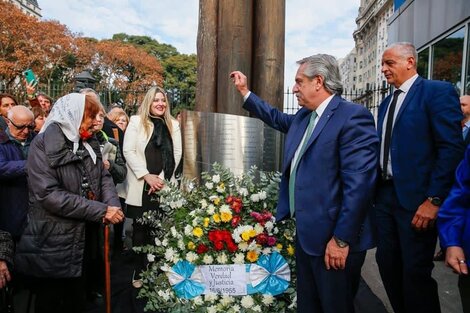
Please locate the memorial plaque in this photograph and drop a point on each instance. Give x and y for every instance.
(237, 142)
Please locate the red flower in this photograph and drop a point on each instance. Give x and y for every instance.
(202, 248)
(271, 241)
(219, 237)
(262, 239)
(235, 221)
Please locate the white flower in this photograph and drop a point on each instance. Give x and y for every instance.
(209, 185)
(157, 242)
(267, 299)
(207, 259)
(211, 209)
(173, 231)
(262, 195)
(203, 203)
(150, 257)
(212, 309)
(269, 226)
(164, 295)
(225, 209)
(165, 267)
(220, 189)
(236, 308)
(181, 245)
(170, 255)
(191, 257)
(239, 258)
(257, 308)
(198, 300)
(216, 179)
(210, 297)
(247, 302)
(188, 230)
(243, 246)
(243, 191)
(254, 198)
(253, 246)
(195, 221)
(266, 251)
(165, 242)
(259, 228)
(222, 258)
(226, 300)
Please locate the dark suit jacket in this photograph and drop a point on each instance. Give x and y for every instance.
(426, 144)
(335, 176)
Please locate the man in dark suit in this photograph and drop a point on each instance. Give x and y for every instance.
(328, 177)
(465, 106)
(421, 145)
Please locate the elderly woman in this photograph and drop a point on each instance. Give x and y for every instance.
(68, 189)
(152, 148)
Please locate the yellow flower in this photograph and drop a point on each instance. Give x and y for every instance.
(216, 217)
(197, 231)
(216, 201)
(279, 246)
(252, 233)
(252, 256)
(246, 235)
(206, 222)
(191, 245)
(226, 216)
(290, 250)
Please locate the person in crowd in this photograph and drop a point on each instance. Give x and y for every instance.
(6, 264)
(421, 145)
(152, 148)
(119, 117)
(116, 165)
(7, 101)
(39, 118)
(69, 188)
(14, 148)
(327, 184)
(6, 257)
(454, 228)
(38, 99)
(465, 106)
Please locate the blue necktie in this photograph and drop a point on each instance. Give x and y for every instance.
(293, 173)
(465, 131)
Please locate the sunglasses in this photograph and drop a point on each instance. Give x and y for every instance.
(21, 127)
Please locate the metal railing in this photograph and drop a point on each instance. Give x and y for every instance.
(370, 98)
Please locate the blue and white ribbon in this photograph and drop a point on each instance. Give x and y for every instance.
(270, 275)
(186, 280)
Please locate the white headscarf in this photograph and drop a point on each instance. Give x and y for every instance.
(68, 112)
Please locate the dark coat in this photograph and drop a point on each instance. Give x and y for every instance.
(6, 248)
(13, 186)
(53, 242)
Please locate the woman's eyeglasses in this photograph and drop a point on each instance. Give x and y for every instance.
(21, 127)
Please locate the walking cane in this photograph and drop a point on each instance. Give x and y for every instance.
(107, 270)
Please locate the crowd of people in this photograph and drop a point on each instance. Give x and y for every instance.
(70, 169)
(64, 180)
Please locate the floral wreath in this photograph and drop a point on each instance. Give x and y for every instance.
(223, 228)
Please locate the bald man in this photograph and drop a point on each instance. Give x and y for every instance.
(14, 146)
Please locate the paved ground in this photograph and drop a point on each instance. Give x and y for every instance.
(446, 279)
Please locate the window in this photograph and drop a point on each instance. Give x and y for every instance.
(447, 58)
(423, 63)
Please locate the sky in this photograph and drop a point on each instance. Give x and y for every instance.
(312, 26)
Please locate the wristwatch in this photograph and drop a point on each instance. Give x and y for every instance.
(435, 201)
(340, 243)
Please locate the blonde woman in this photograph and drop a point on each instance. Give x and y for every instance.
(119, 117)
(152, 148)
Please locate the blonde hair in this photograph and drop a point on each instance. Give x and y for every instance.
(144, 110)
(115, 113)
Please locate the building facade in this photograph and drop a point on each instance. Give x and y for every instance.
(440, 30)
(29, 7)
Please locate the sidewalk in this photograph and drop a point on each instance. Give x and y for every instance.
(446, 279)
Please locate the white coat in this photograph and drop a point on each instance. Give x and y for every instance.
(135, 142)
